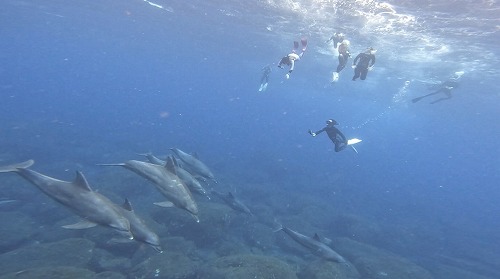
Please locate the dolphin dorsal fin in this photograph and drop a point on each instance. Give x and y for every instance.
(175, 161)
(230, 195)
(127, 205)
(195, 155)
(316, 237)
(169, 165)
(81, 181)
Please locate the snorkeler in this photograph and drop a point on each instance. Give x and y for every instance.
(334, 134)
(444, 87)
(344, 54)
(336, 38)
(365, 63)
(264, 80)
(293, 56)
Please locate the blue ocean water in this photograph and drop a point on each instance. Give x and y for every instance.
(88, 82)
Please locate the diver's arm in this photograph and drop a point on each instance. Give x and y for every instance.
(373, 60)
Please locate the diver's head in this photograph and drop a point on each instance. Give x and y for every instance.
(370, 50)
(331, 122)
(346, 42)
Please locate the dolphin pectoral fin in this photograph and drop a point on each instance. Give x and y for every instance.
(164, 204)
(120, 240)
(14, 167)
(84, 224)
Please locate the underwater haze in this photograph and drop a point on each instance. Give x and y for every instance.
(85, 82)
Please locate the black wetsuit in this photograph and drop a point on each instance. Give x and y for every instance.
(335, 136)
(444, 87)
(365, 60)
(265, 74)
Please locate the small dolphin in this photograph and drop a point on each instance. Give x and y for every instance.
(194, 165)
(191, 182)
(315, 245)
(77, 196)
(139, 229)
(189, 179)
(166, 181)
(233, 202)
(153, 159)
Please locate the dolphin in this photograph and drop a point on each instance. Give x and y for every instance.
(138, 227)
(233, 202)
(315, 245)
(191, 182)
(194, 165)
(189, 179)
(94, 208)
(166, 181)
(153, 159)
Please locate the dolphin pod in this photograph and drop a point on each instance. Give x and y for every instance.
(315, 245)
(77, 196)
(166, 181)
(191, 182)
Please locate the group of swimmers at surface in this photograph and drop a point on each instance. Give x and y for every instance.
(362, 63)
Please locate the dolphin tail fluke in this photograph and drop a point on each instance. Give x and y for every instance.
(280, 226)
(15, 167)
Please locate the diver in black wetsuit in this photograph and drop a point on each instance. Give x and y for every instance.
(366, 62)
(264, 80)
(334, 134)
(444, 87)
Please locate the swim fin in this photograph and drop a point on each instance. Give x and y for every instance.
(417, 99)
(303, 41)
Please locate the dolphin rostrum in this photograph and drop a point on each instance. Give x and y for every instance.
(166, 181)
(315, 245)
(232, 201)
(194, 165)
(94, 208)
(139, 229)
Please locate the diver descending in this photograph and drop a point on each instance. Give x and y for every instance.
(293, 56)
(445, 87)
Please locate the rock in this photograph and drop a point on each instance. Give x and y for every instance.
(247, 266)
(75, 252)
(321, 269)
(167, 265)
(20, 228)
(374, 263)
(58, 272)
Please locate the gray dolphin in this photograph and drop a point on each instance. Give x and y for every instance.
(153, 159)
(77, 196)
(166, 181)
(189, 179)
(194, 165)
(315, 245)
(139, 229)
(191, 182)
(232, 201)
